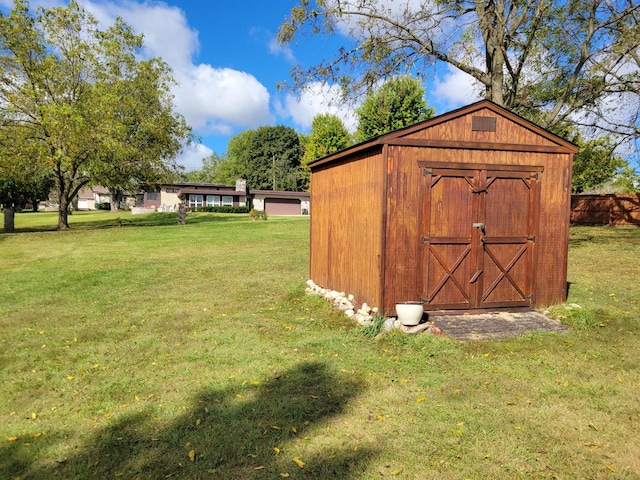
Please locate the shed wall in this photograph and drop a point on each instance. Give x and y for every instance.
(346, 227)
(402, 280)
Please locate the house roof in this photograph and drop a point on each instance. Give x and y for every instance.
(210, 191)
(279, 193)
(201, 184)
(396, 137)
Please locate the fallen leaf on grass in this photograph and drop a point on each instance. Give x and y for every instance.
(12, 439)
(261, 467)
(192, 455)
(285, 474)
(397, 472)
(298, 462)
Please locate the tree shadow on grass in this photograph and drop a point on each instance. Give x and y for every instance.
(602, 235)
(129, 220)
(253, 431)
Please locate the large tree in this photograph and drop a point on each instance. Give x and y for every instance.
(398, 103)
(209, 171)
(595, 164)
(328, 135)
(93, 110)
(552, 61)
(267, 157)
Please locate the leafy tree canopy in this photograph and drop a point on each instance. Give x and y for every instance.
(558, 61)
(328, 135)
(85, 106)
(209, 171)
(268, 158)
(595, 164)
(398, 103)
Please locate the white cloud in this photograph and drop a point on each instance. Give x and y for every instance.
(165, 28)
(454, 88)
(191, 157)
(317, 98)
(276, 48)
(212, 100)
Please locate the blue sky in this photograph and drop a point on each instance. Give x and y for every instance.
(227, 64)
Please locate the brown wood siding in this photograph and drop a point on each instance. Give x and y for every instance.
(550, 245)
(346, 227)
(553, 245)
(460, 130)
(402, 236)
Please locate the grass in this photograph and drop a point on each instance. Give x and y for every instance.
(152, 350)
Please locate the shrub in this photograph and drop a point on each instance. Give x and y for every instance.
(103, 206)
(256, 214)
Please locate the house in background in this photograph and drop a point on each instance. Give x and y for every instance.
(89, 197)
(167, 198)
(281, 203)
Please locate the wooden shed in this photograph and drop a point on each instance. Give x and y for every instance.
(468, 210)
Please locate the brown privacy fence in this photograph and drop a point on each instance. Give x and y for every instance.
(611, 209)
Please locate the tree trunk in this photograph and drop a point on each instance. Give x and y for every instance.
(494, 55)
(63, 213)
(9, 219)
(182, 214)
(116, 198)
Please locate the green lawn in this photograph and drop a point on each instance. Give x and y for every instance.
(132, 347)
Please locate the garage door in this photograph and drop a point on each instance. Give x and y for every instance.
(282, 206)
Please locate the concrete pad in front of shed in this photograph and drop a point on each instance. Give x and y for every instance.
(494, 325)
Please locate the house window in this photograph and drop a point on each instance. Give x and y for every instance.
(213, 200)
(173, 190)
(195, 200)
(227, 200)
(153, 196)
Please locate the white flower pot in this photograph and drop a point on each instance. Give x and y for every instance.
(409, 313)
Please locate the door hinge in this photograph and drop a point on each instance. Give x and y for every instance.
(532, 239)
(535, 175)
(424, 239)
(529, 297)
(426, 171)
(424, 300)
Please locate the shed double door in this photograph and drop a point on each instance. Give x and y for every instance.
(478, 224)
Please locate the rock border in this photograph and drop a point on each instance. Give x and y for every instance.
(364, 314)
